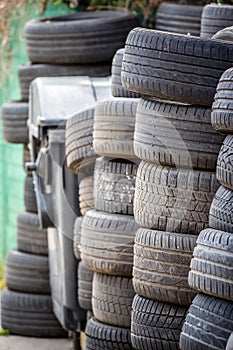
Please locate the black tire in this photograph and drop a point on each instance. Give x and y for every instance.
(29, 195)
(179, 18)
(211, 266)
(79, 140)
(221, 210)
(28, 273)
(30, 237)
(114, 185)
(208, 324)
(114, 127)
(214, 18)
(86, 196)
(85, 278)
(112, 298)
(173, 200)
(176, 135)
(77, 236)
(100, 336)
(85, 37)
(28, 72)
(107, 242)
(156, 325)
(117, 88)
(162, 65)
(224, 169)
(161, 266)
(225, 34)
(29, 315)
(222, 108)
(14, 121)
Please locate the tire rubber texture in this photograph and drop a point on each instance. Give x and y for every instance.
(117, 88)
(114, 185)
(156, 325)
(208, 324)
(86, 197)
(84, 37)
(174, 67)
(27, 273)
(107, 242)
(85, 278)
(14, 121)
(100, 336)
(215, 18)
(30, 238)
(173, 200)
(179, 18)
(225, 34)
(176, 135)
(77, 237)
(29, 195)
(112, 299)
(79, 140)
(224, 171)
(221, 210)
(230, 342)
(28, 72)
(222, 108)
(29, 315)
(114, 127)
(211, 266)
(161, 266)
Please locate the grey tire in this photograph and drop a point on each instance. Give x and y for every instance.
(215, 18)
(161, 266)
(29, 195)
(85, 279)
(221, 217)
(86, 196)
(77, 237)
(224, 171)
(107, 242)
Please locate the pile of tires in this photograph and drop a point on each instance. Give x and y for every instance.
(176, 181)
(209, 322)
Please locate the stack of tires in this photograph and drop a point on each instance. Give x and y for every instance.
(209, 322)
(176, 179)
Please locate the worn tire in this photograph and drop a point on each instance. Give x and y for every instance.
(27, 273)
(156, 325)
(29, 315)
(214, 18)
(221, 210)
(224, 171)
(14, 121)
(112, 298)
(225, 34)
(208, 324)
(84, 37)
(176, 135)
(100, 336)
(28, 72)
(85, 278)
(222, 108)
(179, 18)
(117, 88)
(86, 196)
(114, 185)
(173, 200)
(162, 65)
(161, 266)
(29, 195)
(30, 237)
(79, 140)
(211, 266)
(107, 242)
(114, 127)
(77, 237)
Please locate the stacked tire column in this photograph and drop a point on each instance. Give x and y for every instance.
(176, 179)
(209, 323)
(108, 231)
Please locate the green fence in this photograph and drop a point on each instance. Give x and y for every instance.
(12, 174)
